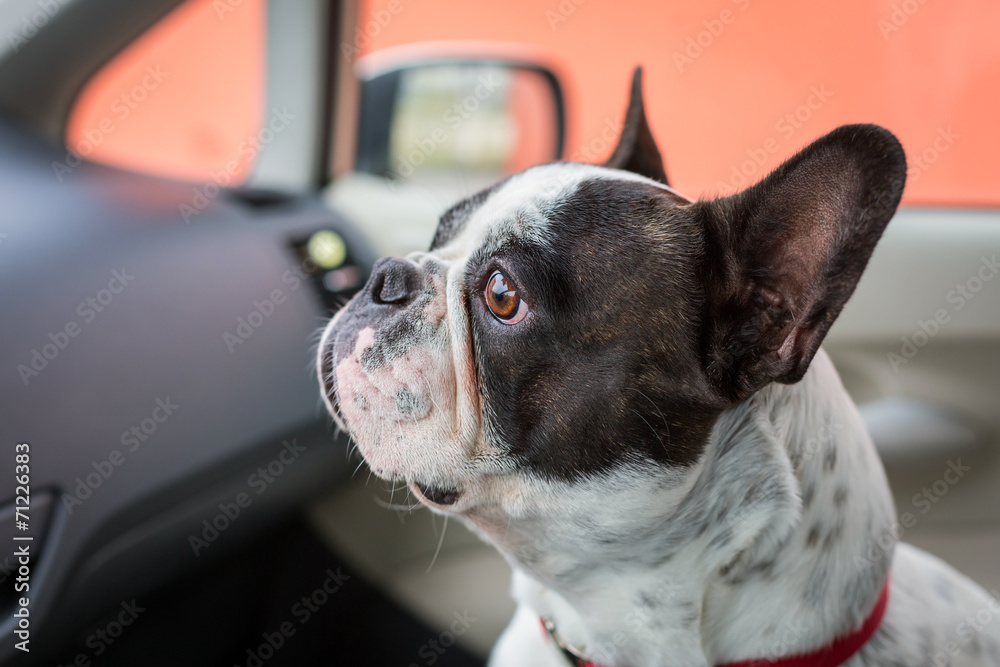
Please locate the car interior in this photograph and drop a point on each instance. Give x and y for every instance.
(190, 189)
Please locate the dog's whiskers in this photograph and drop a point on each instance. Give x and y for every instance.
(444, 528)
(352, 448)
(651, 429)
(399, 508)
(434, 403)
(395, 486)
(653, 403)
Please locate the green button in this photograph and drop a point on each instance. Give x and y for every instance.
(327, 249)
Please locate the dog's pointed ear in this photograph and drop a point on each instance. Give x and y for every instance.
(783, 256)
(636, 150)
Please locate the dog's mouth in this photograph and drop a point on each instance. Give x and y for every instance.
(436, 495)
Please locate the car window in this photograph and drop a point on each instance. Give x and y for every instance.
(735, 86)
(184, 100)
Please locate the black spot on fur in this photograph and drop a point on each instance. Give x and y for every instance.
(691, 614)
(812, 537)
(808, 493)
(830, 459)
(840, 496)
(648, 602)
(833, 536)
(975, 649)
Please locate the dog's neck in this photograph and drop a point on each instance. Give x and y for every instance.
(776, 544)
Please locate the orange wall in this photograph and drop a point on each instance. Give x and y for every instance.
(933, 81)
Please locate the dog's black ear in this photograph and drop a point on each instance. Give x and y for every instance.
(636, 150)
(783, 256)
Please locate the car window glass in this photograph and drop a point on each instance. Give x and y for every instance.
(184, 100)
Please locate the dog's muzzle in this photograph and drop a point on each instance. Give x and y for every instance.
(389, 377)
(391, 287)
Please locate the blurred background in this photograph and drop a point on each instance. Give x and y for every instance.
(190, 189)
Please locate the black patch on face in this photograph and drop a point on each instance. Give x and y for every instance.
(394, 337)
(408, 403)
(605, 369)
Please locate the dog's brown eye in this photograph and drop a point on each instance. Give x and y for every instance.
(503, 300)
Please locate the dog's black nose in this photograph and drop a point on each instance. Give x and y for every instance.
(393, 281)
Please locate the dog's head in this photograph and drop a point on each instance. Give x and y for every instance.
(577, 322)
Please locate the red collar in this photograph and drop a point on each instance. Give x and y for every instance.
(837, 653)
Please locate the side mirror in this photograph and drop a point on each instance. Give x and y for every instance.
(462, 120)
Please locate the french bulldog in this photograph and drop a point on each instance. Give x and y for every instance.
(623, 391)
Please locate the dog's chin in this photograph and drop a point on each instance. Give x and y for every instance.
(436, 494)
